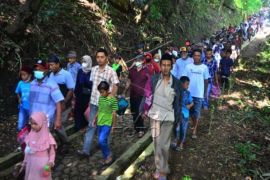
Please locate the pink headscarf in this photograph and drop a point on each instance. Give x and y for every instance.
(43, 139)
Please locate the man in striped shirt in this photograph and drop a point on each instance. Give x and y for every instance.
(101, 72)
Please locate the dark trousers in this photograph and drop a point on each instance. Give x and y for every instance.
(135, 103)
(225, 82)
(81, 105)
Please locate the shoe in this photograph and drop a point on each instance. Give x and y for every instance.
(205, 108)
(162, 178)
(156, 175)
(64, 149)
(173, 146)
(141, 134)
(82, 154)
(178, 148)
(194, 136)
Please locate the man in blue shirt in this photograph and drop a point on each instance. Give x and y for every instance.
(73, 66)
(226, 67)
(45, 95)
(211, 63)
(66, 84)
(179, 66)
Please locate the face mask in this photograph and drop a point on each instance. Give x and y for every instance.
(39, 74)
(156, 60)
(84, 65)
(148, 59)
(138, 64)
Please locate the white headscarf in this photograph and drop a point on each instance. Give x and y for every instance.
(86, 63)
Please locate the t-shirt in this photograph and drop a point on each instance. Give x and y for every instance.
(186, 100)
(225, 66)
(197, 74)
(180, 65)
(44, 96)
(23, 89)
(74, 69)
(106, 106)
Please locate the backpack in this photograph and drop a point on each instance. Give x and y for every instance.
(122, 106)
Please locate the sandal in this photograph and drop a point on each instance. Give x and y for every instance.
(156, 175)
(141, 134)
(194, 136)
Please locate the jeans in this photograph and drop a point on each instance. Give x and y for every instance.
(225, 82)
(103, 135)
(206, 99)
(181, 130)
(23, 118)
(88, 138)
(196, 109)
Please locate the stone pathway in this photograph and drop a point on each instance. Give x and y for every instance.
(70, 166)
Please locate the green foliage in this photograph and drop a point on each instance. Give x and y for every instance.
(248, 6)
(247, 151)
(155, 13)
(109, 25)
(186, 177)
(49, 9)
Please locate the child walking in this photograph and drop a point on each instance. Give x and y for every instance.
(23, 91)
(182, 127)
(187, 103)
(105, 120)
(40, 149)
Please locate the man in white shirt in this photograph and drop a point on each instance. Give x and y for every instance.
(198, 74)
(179, 66)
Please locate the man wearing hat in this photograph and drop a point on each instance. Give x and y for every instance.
(66, 84)
(181, 63)
(45, 95)
(73, 66)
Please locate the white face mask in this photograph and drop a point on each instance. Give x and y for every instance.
(138, 64)
(156, 60)
(84, 65)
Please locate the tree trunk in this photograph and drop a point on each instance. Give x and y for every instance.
(25, 16)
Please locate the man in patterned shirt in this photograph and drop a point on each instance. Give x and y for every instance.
(211, 63)
(101, 72)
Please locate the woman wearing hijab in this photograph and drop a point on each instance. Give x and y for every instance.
(82, 92)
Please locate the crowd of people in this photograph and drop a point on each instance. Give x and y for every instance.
(166, 89)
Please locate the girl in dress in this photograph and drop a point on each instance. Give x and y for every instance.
(40, 149)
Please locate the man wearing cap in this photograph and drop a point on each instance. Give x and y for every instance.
(73, 66)
(181, 63)
(66, 84)
(45, 95)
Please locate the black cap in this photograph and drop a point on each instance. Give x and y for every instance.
(53, 59)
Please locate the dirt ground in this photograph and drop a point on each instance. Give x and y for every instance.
(233, 139)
